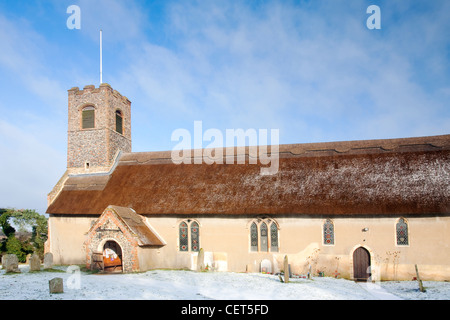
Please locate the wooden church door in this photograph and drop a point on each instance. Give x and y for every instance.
(361, 264)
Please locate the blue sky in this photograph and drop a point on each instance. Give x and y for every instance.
(311, 69)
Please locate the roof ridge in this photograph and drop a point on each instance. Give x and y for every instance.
(339, 147)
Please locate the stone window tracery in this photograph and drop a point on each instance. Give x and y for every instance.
(254, 237)
(273, 237)
(183, 236)
(264, 235)
(402, 232)
(194, 236)
(189, 236)
(328, 232)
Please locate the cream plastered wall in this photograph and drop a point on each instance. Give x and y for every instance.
(66, 236)
(301, 240)
(226, 245)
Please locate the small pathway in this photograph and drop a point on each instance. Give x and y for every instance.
(377, 291)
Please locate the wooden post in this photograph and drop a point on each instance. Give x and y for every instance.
(280, 277)
(421, 288)
(286, 269)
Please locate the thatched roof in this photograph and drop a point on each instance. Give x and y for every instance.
(136, 225)
(379, 177)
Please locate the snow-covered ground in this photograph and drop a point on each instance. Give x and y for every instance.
(189, 285)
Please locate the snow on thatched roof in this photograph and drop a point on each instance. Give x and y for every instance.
(381, 177)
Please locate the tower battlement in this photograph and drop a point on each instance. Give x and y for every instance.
(99, 126)
(92, 89)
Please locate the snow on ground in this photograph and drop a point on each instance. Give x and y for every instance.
(189, 285)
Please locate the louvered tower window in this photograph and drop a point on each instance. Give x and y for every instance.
(119, 122)
(88, 118)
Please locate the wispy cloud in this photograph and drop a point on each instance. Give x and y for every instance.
(309, 68)
(29, 104)
(22, 54)
(123, 21)
(28, 167)
(313, 70)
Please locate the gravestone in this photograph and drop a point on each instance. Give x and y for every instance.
(55, 285)
(11, 263)
(48, 260)
(220, 261)
(208, 260)
(266, 266)
(286, 269)
(200, 260)
(35, 263)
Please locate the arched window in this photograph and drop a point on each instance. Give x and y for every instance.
(402, 232)
(88, 117)
(189, 236)
(194, 236)
(119, 121)
(273, 237)
(328, 232)
(254, 237)
(184, 236)
(264, 235)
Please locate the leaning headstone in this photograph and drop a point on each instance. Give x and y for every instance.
(35, 263)
(55, 285)
(48, 260)
(11, 263)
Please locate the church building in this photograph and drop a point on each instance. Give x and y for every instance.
(363, 210)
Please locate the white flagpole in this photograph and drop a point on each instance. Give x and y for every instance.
(101, 80)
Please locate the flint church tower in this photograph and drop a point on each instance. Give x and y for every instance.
(99, 127)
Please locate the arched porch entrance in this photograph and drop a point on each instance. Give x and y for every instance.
(112, 256)
(114, 240)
